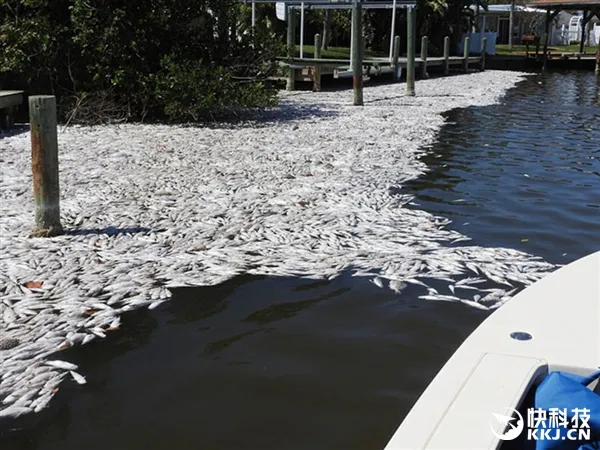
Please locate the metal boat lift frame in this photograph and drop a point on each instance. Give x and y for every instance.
(356, 48)
(338, 4)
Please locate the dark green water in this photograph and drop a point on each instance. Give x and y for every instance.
(263, 363)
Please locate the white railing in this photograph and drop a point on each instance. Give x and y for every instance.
(566, 36)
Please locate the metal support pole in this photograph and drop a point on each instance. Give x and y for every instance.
(357, 45)
(291, 78)
(395, 64)
(410, 52)
(317, 71)
(302, 30)
(393, 31)
(44, 161)
(253, 14)
(466, 54)
(483, 52)
(446, 55)
(424, 42)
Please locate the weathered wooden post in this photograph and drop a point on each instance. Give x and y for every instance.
(483, 52)
(598, 60)
(410, 52)
(546, 35)
(466, 54)
(584, 22)
(44, 162)
(446, 55)
(291, 78)
(396, 54)
(424, 42)
(317, 72)
(357, 54)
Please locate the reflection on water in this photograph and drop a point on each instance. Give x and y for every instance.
(524, 174)
(286, 363)
(278, 363)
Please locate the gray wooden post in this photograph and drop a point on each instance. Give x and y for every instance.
(424, 42)
(357, 53)
(511, 24)
(584, 21)
(291, 77)
(546, 35)
(466, 54)
(483, 52)
(7, 118)
(410, 52)
(396, 54)
(44, 162)
(446, 55)
(317, 72)
(598, 60)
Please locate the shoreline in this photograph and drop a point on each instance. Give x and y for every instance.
(306, 193)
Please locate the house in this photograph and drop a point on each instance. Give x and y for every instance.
(526, 20)
(583, 26)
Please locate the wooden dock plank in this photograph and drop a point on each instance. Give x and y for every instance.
(8, 101)
(10, 98)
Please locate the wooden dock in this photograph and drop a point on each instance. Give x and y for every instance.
(306, 68)
(9, 100)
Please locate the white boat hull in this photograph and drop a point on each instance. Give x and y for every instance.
(492, 370)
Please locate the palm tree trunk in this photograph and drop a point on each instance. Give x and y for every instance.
(326, 30)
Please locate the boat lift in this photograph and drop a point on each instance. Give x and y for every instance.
(356, 48)
(336, 4)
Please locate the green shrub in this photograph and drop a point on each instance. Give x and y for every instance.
(162, 59)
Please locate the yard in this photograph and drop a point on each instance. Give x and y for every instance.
(335, 52)
(502, 49)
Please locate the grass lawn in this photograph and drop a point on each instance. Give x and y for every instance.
(502, 49)
(335, 52)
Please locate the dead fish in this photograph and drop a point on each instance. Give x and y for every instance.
(13, 412)
(377, 282)
(78, 378)
(61, 364)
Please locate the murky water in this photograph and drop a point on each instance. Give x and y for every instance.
(263, 363)
(524, 174)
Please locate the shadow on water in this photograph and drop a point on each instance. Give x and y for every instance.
(14, 131)
(110, 231)
(258, 118)
(320, 365)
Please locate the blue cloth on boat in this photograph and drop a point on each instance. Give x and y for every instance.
(565, 394)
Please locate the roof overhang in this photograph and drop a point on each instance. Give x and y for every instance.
(565, 4)
(339, 4)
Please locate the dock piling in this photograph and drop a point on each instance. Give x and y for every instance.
(291, 76)
(317, 70)
(357, 54)
(396, 54)
(483, 52)
(446, 55)
(396, 57)
(466, 54)
(44, 162)
(410, 52)
(424, 42)
(598, 60)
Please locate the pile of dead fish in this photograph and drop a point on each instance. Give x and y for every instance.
(311, 189)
